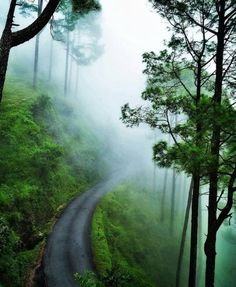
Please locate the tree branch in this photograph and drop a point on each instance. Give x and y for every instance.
(170, 130)
(229, 65)
(181, 82)
(225, 211)
(200, 25)
(231, 14)
(33, 29)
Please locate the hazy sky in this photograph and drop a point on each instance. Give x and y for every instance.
(130, 28)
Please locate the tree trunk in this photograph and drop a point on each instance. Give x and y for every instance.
(196, 175)
(154, 179)
(183, 237)
(50, 61)
(194, 230)
(67, 64)
(154, 170)
(71, 68)
(210, 244)
(36, 53)
(172, 214)
(200, 258)
(183, 198)
(173, 195)
(180, 190)
(70, 74)
(77, 79)
(77, 68)
(5, 45)
(163, 199)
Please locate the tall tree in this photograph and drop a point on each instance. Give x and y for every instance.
(204, 31)
(183, 236)
(163, 198)
(50, 64)
(61, 29)
(84, 49)
(36, 52)
(11, 39)
(164, 189)
(173, 201)
(225, 58)
(173, 194)
(168, 92)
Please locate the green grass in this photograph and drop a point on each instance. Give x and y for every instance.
(48, 155)
(127, 234)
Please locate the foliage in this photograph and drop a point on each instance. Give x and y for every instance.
(87, 280)
(115, 277)
(180, 84)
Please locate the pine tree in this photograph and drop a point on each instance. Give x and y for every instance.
(204, 36)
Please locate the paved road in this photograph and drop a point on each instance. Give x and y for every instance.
(68, 249)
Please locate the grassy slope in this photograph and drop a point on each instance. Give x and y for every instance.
(127, 232)
(47, 156)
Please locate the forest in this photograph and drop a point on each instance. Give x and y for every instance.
(117, 143)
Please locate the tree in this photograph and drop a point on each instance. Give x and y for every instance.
(183, 236)
(61, 29)
(166, 78)
(26, 9)
(204, 35)
(84, 47)
(36, 54)
(164, 190)
(225, 58)
(11, 39)
(163, 198)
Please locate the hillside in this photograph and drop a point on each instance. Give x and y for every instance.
(130, 240)
(49, 154)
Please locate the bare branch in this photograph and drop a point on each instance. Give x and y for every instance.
(221, 194)
(200, 25)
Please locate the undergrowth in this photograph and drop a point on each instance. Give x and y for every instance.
(128, 235)
(48, 155)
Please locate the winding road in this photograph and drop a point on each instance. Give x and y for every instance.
(68, 249)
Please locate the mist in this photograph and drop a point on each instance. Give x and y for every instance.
(128, 29)
(109, 82)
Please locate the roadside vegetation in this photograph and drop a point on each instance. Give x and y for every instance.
(128, 237)
(46, 159)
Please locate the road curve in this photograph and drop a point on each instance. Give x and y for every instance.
(68, 249)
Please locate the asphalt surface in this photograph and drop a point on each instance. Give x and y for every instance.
(68, 249)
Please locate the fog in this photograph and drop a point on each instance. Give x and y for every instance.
(128, 29)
